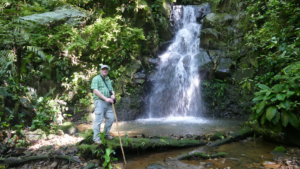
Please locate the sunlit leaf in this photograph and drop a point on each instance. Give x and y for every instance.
(262, 86)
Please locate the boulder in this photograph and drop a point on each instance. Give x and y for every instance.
(128, 108)
(68, 128)
(164, 46)
(139, 81)
(151, 61)
(70, 14)
(213, 19)
(36, 135)
(201, 11)
(51, 136)
(139, 75)
(203, 61)
(156, 166)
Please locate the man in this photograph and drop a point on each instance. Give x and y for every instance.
(103, 103)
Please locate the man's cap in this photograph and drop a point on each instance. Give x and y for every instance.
(104, 66)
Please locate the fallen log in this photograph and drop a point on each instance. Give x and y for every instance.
(201, 155)
(144, 143)
(241, 134)
(13, 161)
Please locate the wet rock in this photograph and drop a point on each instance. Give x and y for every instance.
(249, 138)
(243, 155)
(152, 61)
(139, 75)
(139, 81)
(234, 159)
(156, 166)
(197, 137)
(189, 136)
(201, 11)
(164, 46)
(202, 163)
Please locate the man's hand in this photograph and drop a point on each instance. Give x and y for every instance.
(113, 97)
(109, 100)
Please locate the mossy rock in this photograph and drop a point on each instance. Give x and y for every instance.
(240, 74)
(217, 135)
(213, 19)
(68, 128)
(36, 135)
(73, 15)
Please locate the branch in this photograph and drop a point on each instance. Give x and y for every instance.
(16, 161)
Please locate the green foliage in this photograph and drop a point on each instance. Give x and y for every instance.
(108, 160)
(213, 91)
(276, 105)
(277, 49)
(280, 149)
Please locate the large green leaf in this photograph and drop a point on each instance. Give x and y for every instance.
(258, 98)
(285, 117)
(286, 104)
(271, 112)
(273, 99)
(290, 93)
(277, 88)
(260, 106)
(262, 86)
(280, 96)
(294, 120)
(276, 119)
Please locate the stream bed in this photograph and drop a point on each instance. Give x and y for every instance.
(247, 153)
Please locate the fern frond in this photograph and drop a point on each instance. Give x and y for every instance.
(37, 50)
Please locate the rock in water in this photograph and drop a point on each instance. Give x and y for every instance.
(156, 166)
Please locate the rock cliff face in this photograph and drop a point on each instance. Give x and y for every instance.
(222, 36)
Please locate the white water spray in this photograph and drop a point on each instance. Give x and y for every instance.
(176, 88)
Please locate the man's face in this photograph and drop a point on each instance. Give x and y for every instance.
(104, 72)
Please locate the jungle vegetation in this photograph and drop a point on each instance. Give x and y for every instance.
(45, 66)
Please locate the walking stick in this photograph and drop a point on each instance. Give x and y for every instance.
(119, 133)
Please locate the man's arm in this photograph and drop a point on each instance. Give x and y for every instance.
(100, 95)
(113, 96)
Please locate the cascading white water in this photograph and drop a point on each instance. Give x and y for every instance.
(176, 88)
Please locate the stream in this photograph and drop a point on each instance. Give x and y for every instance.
(247, 153)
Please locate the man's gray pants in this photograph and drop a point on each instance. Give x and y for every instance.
(102, 109)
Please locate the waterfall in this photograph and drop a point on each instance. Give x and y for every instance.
(176, 82)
